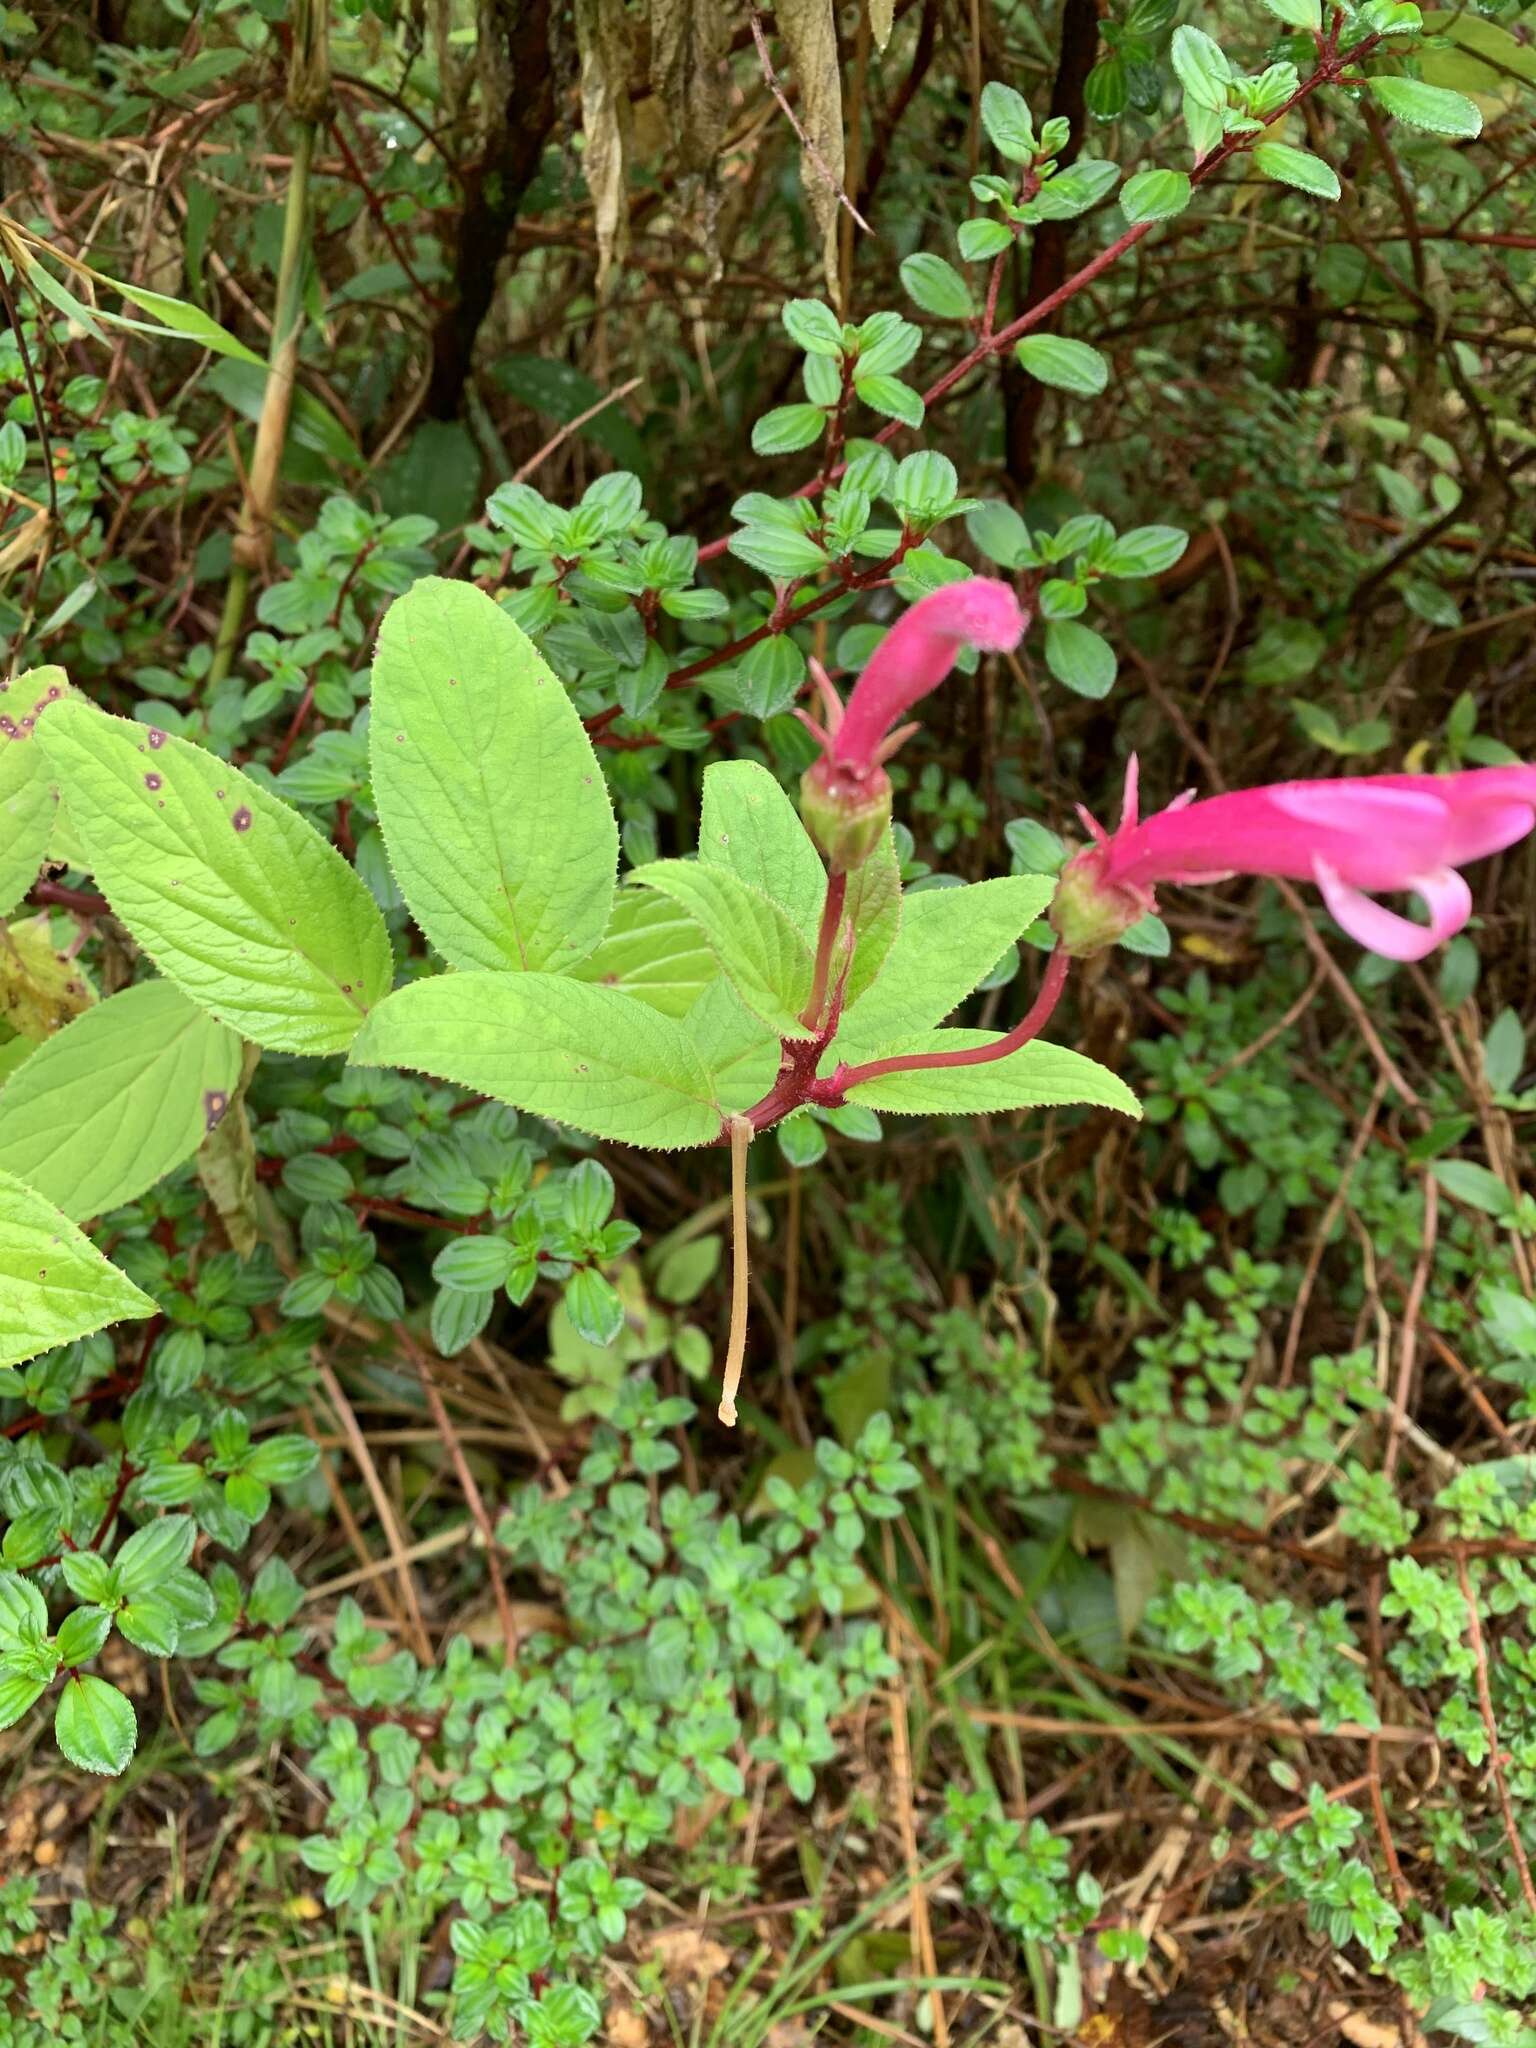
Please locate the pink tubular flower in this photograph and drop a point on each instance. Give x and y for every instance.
(846, 795)
(1355, 837)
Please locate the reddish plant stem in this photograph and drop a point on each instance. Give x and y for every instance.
(826, 939)
(783, 617)
(279, 760)
(797, 1083)
(1029, 1026)
(83, 902)
(1330, 70)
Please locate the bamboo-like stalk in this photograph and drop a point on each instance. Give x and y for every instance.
(308, 94)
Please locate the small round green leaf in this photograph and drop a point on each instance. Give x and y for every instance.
(95, 1725)
(1080, 658)
(814, 326)
(1154, 195)
(1433, 107)
(936, 286)
(786, 428)
(1006, 118)
(1067, 365)
(1297, 167)
(980, 239)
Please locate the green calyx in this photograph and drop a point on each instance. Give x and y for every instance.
(1088, 914)
(847, 812)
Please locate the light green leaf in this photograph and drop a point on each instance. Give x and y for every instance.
(1466, 1181)
(1005, 116)
(1144, 551)
(979, 239)
(1079, 657)
(232, 895)
(1286, 651)
(17, 1695)
(750, 826)
(742, 1055)
(494, 811)
(117, 1099)
(654, 951)
(890, 396)
(787, 428)
(1303, 14)
(1202, 69)
(1298, 167)
(312, 425)
(54, 1284)
(872, 909)
(948, 941)
(936, 286)
(813, 326)
(1155, 195)
(1428, 106)
(27, 802)
(95, 1725)
(593, 1058)
(1504, 1051)
(23, 1613)
(1037, 1076)
(177, 316)
(152, 1553)
(780, 552)
(764, 957)
(1066, 365)
(1205, 126)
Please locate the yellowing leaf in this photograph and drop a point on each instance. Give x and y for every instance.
(117, 1099)
(54, 1284)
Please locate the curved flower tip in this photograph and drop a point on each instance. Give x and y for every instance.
(1354, 837)
(845, 796)
(916, 655)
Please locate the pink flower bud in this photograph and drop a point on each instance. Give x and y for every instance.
(846, 795)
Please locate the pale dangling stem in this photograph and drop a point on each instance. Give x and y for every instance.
(736, 1348)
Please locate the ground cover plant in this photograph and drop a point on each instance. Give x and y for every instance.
(765, 953)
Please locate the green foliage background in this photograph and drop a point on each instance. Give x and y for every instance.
(1114, 1613)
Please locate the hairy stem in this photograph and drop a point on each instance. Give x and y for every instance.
(1029, 1026)
(826, 939)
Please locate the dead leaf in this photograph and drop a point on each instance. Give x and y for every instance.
(624, 2028)
(882, 14)
(24, 543)
(809, 30)
(603, 38)
(531, 1617)
(21, 1823)
(689, 43)
(688, 1956)
(1368, 2033)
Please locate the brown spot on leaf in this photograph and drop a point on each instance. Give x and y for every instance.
(241, 820)
(215, 1102)
(156, 738)
(152, 781)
